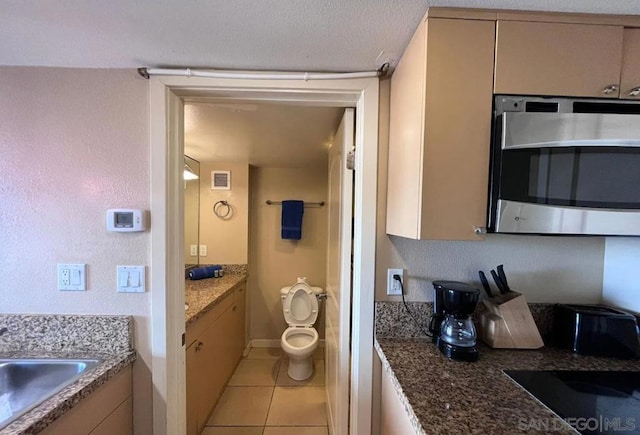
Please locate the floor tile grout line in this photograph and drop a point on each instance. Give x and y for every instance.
(269, 407)
(280, 362)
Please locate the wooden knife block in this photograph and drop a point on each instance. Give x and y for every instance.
(507, 323)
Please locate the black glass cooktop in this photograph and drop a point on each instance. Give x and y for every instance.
(593, 402)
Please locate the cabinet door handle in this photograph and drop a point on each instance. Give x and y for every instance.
(610, 89)
(199, 346)
(634, 92)
(480, 230)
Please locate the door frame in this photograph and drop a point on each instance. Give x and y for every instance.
(166, 117)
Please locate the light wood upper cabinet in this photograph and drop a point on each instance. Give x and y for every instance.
(534, 58)
(630, 77)
(439, 131)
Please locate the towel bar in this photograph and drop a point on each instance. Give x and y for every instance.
(319, 204)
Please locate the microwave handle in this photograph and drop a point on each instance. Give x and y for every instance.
(554, 130)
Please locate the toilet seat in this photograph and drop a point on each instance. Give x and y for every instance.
(300, 306)
(299, 341)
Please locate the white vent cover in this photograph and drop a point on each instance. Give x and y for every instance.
(220, 180)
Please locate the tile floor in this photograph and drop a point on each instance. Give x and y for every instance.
(262, 400)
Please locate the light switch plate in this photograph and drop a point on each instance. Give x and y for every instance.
(72, 277)
(130, 279)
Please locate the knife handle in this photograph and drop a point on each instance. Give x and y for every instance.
(485, 283)
(503, 277)
(498, 282)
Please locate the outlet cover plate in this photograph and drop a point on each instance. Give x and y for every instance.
(393, 286)
(72, 277)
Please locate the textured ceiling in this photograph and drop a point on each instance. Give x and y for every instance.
(274, 135)
(293, 35)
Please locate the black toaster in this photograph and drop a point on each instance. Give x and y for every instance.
(596, 330)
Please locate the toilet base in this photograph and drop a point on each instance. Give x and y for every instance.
(300, 369)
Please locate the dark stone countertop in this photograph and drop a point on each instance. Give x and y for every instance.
(443, 396)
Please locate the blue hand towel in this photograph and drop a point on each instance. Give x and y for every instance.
(203, 272)
(292, 212)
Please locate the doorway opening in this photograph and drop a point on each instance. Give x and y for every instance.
(168, 96)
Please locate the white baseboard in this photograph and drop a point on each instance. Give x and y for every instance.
(264, 342)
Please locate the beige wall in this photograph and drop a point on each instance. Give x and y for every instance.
(226, 239)
(545, 269)
(191, 218)
(74, 143)
(275, 263)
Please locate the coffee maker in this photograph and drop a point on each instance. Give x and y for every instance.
(451, 325)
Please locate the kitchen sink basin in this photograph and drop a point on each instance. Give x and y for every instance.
(25, 383)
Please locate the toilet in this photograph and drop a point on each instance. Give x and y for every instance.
(300, 339)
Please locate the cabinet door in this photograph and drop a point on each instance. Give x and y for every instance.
(406, 135)
(194, 391)
(557, 59)
(630, 77)
(226, 339)
(457, 128)
(212, 367)
(440, 131)
(239, 312)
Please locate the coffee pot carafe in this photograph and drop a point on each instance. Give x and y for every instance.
(451, 325)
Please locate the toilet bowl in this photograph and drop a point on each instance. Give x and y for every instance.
(299, 344)
(300, 339)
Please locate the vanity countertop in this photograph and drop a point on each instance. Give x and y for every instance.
(444, 396)
(203, 294)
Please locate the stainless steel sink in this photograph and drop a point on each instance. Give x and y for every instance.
(25, 383)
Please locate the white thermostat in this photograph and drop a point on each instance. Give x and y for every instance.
(126, 220)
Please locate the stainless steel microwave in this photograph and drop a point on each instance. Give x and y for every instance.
(565, 166)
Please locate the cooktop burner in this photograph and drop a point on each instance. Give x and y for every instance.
(592, 402)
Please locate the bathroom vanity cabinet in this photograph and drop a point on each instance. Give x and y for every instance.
(214, 347)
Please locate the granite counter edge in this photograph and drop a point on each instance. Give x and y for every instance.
(415, 422)
(208, 307)
(37, 419)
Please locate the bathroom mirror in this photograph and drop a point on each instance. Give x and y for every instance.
(191, 211)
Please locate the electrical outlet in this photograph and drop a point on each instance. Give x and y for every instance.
(203, 250)
(393, 286)
(193, 250)
(72, 277)
(65, 277)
